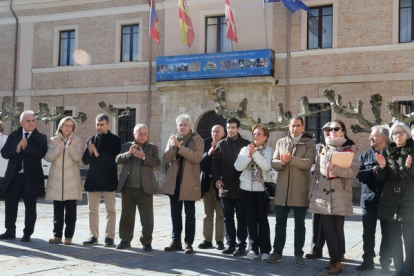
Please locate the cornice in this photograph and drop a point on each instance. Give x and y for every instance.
(121, 65)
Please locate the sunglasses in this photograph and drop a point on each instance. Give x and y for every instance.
(334, 128)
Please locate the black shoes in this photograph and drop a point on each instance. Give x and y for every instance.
(385, 270)
(313, 255)
(25, 238)
(109, 242)
(229, 250)
(220, 245)
(240, 251)
(7, 236)
(123, 245)
(205, 245)
(91, 241)
(147, 248)
(365, 266)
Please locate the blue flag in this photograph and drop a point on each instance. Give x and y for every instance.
(292, 5)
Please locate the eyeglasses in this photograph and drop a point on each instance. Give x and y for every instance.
(399, 133)
(334, 128)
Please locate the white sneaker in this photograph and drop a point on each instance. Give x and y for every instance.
(265, 256)
(251, 255)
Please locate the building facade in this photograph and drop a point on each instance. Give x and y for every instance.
(77, 53)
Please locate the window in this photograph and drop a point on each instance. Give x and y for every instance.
(406, 21)
(216, 41)
(67, 113)
(126, 125)
(130, 40)
(406, 107)
(315, 122)
(320, 27)
(66, 47)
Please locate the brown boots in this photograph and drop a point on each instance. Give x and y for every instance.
(334, 267)
(174, 246)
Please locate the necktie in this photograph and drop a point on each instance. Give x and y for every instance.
(19, 165)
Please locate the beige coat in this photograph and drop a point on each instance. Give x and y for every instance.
(293, 179)
(190, 185)
(64, 182)
(333, 196)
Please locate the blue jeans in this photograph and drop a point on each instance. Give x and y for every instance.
(231, 205)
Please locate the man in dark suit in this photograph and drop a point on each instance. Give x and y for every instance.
(209, 193)
(24, 177)
(137, 184)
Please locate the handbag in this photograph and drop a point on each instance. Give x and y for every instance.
(270, 189)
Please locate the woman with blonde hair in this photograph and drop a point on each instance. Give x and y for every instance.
(255, 163)
(64, 183)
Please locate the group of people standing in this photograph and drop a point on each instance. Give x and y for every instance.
(229, 173)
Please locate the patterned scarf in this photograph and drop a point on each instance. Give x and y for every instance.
(184, 141)
(256, 171)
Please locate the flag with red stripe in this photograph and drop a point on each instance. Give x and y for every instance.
(187, 31)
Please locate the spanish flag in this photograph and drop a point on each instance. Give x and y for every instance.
(187, 31)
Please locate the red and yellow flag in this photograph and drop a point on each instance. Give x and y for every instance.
(187, 31)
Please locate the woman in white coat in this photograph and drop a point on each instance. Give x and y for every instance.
(64, 183)
(255, 162)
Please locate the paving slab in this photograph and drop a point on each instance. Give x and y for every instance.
(39, 257)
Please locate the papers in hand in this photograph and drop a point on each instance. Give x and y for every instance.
(342, 159)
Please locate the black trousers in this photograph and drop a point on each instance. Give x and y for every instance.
(14, 193)
(60, 218)
(369, 223)
(256, 213)
(318, 239)
(333, 227)
(399, 230)
(230, 206)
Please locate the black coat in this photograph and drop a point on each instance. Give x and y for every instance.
(103, 171)
(225, 156)
(371, 188)
(32, 160)
(397, 198)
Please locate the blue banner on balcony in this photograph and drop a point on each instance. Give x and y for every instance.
(250, 63)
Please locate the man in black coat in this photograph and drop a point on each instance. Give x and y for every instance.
(24, 177)
(226, 179)
(102, 178)
(370, 196)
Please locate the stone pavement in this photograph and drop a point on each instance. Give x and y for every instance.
(42, 258)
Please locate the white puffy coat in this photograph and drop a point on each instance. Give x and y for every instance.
(64, 182)
(264, 161)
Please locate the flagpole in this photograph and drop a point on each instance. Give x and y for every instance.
(288, 61)
(149, 82)
(265, 21)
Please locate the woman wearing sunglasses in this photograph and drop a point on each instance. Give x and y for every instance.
(255, 163)
(397, 199)
(330, 192)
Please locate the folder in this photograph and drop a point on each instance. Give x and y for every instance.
(342, 159)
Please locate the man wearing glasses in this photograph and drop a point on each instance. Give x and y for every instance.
(370, 196)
